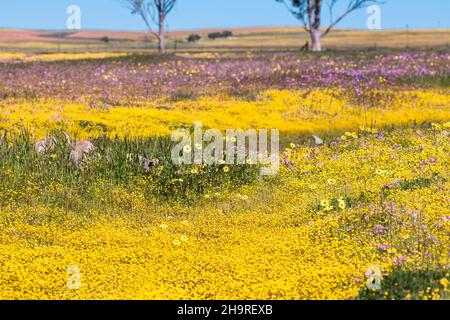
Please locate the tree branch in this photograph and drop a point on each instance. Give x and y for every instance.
(352, 6)
(299, 14)
(151, 10)
(309, 11)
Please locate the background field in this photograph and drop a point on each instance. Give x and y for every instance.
(275, 38)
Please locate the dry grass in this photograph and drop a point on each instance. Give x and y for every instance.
(251, 38)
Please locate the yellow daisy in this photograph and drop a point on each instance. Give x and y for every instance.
(331, 182)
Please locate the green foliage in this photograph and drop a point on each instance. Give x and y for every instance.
(403, 284)
(193, 37)
(37, 177)
(217, 35)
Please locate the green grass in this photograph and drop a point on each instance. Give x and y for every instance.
(436, 81)
(114, 163)
(407, 284)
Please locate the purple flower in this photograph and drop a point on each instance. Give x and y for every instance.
(382, 247)
(399, 260)
(379, 229)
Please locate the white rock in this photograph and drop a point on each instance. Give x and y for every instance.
(317, 140)
(44, 145)
(79, 150)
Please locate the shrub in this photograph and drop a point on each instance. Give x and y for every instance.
(194, 37)
(223, 34)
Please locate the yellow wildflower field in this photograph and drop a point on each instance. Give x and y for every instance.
(232, 245)
(293, 112)
(359, 212)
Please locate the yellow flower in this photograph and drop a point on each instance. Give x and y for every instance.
(184, 238)
(242, 197)
(226, 169)
(392, 250)
(176, 242)
(194, 171)
(444, 282)
(163, 226)
(341, 204)
(249, 161)
(331, 181)
(351, 135)
(292, 145)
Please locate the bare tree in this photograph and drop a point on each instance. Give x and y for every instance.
(309, 12)
(153, 11)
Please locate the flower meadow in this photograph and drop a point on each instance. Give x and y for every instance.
(364, 214)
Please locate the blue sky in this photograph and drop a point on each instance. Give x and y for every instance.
(199, 14)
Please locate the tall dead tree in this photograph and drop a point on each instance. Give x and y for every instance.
(153, 11)
(309, 12)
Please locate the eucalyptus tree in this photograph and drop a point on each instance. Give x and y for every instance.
(309, 12)
(153, 12)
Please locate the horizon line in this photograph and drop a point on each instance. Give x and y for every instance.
(218, 28)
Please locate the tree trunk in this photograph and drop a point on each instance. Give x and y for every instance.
(161, 40)
(315, 40)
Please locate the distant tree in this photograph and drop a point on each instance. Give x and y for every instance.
(227, 34)
(193, 37)
(309, 12)
(223, 34)
(153, 11)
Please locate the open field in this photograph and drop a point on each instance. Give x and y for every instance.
(276, 38)
(365, 215)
